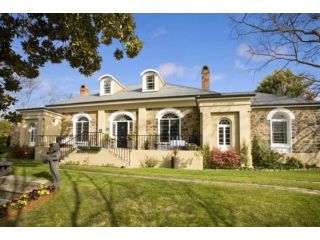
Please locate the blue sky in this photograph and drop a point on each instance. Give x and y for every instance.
(177, 45)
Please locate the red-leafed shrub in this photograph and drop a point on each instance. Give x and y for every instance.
(23, 152)
(225, 159)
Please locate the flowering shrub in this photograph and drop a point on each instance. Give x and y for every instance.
(23, 152)
(225, 159)
(24, 199)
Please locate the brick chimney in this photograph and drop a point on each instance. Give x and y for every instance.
(205, 77)
(84, 91)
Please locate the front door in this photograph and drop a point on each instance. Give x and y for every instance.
(122, 133)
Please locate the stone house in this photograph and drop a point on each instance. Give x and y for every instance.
(149, 119)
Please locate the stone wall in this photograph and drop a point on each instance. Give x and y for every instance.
(67, 124)
(190, 123)
(305, 128)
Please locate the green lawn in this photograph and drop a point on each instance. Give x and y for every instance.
(305, 179)
(89, 199)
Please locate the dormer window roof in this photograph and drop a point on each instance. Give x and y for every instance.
(109, 85)
(151, 80)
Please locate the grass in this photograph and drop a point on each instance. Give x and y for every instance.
(97, 200)
(309, 179)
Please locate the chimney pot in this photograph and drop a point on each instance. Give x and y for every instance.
(84, 91)
(205, 77)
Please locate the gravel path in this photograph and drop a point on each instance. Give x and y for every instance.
(206, 182)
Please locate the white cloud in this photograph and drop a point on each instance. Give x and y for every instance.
(217, 77)
(239, 65)
(159, 32)
(244, 51)
(180, 71)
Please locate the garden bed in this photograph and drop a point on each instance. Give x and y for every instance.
(26, 202)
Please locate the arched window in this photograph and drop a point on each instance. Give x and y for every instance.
(281, 129)
(224, 138)
(33, 134)
(169, 126)
(81, 127)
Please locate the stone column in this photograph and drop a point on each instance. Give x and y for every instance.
(245, 131)
(142, 127)
(205, 127)
(101, 121)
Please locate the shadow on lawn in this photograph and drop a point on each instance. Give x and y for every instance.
(217, 213)
(109, 201)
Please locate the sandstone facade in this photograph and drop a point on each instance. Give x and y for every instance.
(305, 128)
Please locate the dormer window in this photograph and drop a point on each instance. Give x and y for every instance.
(150, 84)
(151, 80)
(107, 87)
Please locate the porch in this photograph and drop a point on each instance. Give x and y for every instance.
(131, 150)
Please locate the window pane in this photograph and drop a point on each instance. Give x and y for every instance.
(150, 82)
(174, 129)
(164, 130)
(107, 87)
(279, 132)
(227, 136)
(221, 136)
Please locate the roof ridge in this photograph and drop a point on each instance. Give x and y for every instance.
(298, 98)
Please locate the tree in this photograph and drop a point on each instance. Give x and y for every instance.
(28, 41)
(28, 88)
(286, 83)
(283, 38)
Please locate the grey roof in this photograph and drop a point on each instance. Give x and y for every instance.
(134, 92)
(265, 99)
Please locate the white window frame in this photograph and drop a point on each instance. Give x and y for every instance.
(75, 119)
(105, 82)
(102, 86)
(165, 111)
(224, 146)
(154, 80)
(157, 79)
(289, 116)
(33, 134)
(113, 123)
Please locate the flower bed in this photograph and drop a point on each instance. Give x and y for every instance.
(27, 201)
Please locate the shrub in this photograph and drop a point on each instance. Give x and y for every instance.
(23, 152)
(225, 159)
(206, 154)
(150, 162)
(293, 163)
(244, 154)
(265, 157)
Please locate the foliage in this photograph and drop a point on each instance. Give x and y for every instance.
(5, 130)
(244, 154)
(24, 199)
(225, 159)
(206, 154)
(192, 146)
(286, 83)
(89, 148)
(293, 163)
(284, 38)
(23, 152)
(264, 156)
(150, 162)
(55, 38)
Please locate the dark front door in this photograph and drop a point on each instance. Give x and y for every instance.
(122, 133)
